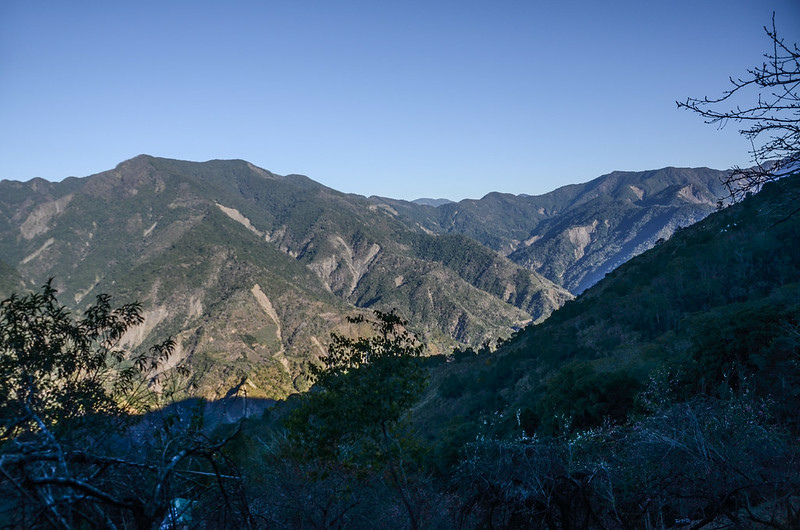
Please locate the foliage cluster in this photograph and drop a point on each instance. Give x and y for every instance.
(691, 463)
(54, 371)
(354, 418)
(363, 390)
(72, 452)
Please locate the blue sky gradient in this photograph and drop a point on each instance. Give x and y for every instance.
(403, 99)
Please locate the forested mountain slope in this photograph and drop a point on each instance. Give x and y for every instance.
(251, 271)
(715, 299)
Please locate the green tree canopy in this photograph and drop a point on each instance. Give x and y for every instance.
(56, 370)
(362, 389)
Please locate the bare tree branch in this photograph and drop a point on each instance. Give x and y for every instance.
(773, 121)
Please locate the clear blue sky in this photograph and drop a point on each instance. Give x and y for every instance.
(403, 99)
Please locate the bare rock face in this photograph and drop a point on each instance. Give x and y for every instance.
(40, 219)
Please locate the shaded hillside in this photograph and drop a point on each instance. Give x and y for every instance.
(722, 291)
(251, 271)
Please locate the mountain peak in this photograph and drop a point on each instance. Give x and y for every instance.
(431, 202)
(136, 160)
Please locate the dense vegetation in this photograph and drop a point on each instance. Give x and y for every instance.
(664, 396)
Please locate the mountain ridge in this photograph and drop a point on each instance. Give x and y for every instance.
(216, 251)
(251, 270)
(572, 254)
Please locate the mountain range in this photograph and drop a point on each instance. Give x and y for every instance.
(576, 234)
(251, 271)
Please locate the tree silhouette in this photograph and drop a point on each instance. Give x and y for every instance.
(72, 454)
(365, 388)
(771, 121)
